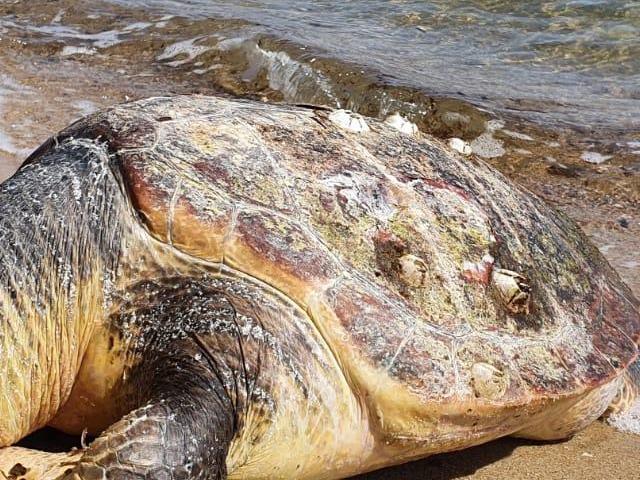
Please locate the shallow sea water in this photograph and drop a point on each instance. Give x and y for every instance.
(579, 59)
(569, 63)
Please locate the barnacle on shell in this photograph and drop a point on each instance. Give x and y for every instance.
(350, 121)
(513, 289)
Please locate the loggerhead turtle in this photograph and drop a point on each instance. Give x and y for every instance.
(222, 288)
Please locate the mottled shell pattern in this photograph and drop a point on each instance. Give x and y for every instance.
(443, 290)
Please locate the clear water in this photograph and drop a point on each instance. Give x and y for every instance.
(568, 62)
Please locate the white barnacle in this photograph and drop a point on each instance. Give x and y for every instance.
(460, 146)
(350, 121)
(413, 270)
(401, 124)
(487, 381)
(513, 289)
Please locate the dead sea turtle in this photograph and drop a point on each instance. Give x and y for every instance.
(222, 288)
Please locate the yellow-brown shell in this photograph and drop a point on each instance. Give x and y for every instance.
(443, 290)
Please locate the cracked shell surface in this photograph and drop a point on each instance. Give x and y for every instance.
(389, 243)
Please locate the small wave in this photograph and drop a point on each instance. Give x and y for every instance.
(187, 50)
(270, 68)
(99, 40)
(137, 26)
(298, 82)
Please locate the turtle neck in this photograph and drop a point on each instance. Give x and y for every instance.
(56, 255)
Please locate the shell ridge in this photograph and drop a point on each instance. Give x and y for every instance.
(172, 210)
(407, 338)
(231, 228)
(604, 319)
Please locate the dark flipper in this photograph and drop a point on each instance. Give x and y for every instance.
(183, 431)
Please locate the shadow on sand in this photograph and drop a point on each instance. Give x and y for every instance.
(449, 466)
(446, 466)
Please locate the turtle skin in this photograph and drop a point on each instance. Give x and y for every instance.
(222, 288)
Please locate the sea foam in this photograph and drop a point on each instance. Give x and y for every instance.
(627, 420)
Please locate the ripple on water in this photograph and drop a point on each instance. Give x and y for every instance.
(183, 51)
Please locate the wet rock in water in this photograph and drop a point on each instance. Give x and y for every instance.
(562, 170)
(486, 145)
(595, 157)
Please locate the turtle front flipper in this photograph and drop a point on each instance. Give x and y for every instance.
(223, 374)
(182, 431)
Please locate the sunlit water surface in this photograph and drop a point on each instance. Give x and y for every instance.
(574, 62)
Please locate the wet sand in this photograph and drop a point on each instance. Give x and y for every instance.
(42, 90)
